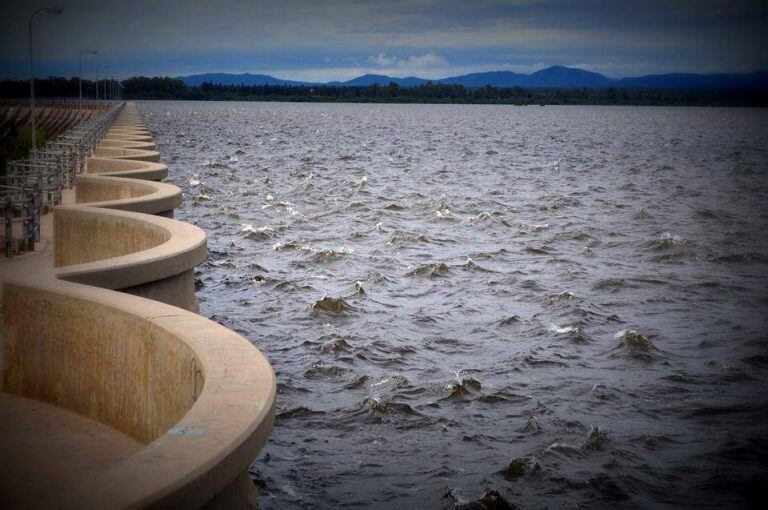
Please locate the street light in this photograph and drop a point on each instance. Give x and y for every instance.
(56, 12)
(105, 85)
(80, 75)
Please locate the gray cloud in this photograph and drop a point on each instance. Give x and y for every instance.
(291, 36)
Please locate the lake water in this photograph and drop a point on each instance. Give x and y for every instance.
(564, 305)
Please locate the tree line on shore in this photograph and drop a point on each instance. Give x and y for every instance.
(172, 88)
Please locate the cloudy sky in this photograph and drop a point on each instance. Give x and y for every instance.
(339, 39)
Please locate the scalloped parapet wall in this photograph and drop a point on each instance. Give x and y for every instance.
(196, 398)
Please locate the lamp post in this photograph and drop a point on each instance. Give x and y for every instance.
(56, 12)
(105, 85)
(80, 76)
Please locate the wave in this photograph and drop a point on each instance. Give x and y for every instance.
(471, 265)
(331, 305)
(574, 333)
(319, 371)
(462, 387)
(642, 214)
(614, 284)
(669, 241)
(596, 440)
(434, 270)
(403, 238)
(543, 250)
(204, 199)
(512, 319)
(257, 233)
(383, 408)
(328, 254)
(479, 218)
(297, 412)
(556, 298)
(286, 245)
(635, 345)
(519, 467)
(491, 500)
(335, 346)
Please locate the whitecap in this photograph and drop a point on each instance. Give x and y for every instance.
(554, 298)
(252, 232)
(483, 216)
(554, 328)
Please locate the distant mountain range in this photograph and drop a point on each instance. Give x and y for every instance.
(551, 77)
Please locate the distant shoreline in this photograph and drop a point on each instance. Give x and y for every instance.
(139, 88)
(475, 103)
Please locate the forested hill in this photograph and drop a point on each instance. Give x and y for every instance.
(550, 77)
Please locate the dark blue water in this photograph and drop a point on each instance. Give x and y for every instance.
(564, 305)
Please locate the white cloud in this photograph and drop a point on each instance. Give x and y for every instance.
(425, 61)
(428, 60)
(383, 60)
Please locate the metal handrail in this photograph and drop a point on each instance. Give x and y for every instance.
(35, 183)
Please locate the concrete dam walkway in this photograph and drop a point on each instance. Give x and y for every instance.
(115, 393)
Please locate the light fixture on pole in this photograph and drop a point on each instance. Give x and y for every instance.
(105, 85)
(80, 76)
(56, 12)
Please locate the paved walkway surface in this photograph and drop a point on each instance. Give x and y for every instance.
(39, 260)
(45, 450)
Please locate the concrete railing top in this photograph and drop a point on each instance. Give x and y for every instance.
(128, 144)
(122, 153)
(133, 169)
(127, 137)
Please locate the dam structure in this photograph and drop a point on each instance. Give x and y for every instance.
(114, 392)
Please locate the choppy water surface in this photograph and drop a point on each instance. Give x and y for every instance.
(565, 305)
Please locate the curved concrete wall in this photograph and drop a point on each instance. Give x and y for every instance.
(122, 136)
(128, 144)
(151, 171)
(149, 256)
(131, 154)
(200, 397)
(96, 343)
(127, 194)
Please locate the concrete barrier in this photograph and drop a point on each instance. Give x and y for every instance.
(130, 154)
(128, 144)
(198, 396)
(140, 254)
(129, 128)
(126, 137)
(192, 401)
(127, 194)
(133, 169)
